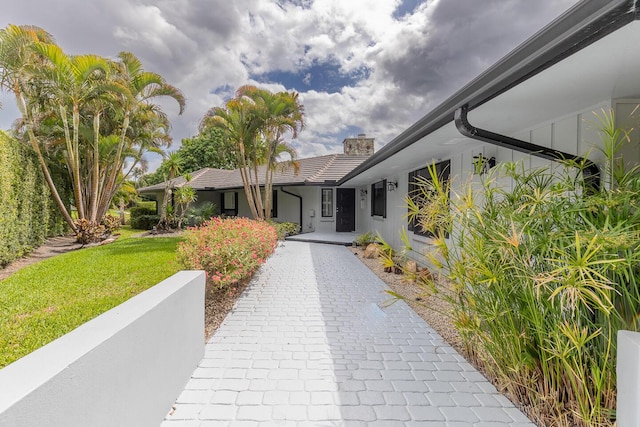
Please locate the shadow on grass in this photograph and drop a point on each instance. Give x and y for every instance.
(139, 245)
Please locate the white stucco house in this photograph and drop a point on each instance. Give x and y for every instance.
(536, 104)
(308, 196)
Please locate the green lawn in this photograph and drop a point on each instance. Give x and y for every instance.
(46, 300)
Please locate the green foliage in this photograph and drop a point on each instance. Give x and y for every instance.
(284, 229)
(184, 197)
(143, 216)
(151, 205)
(52, 297)
(144, 222)
(93, 114)
(27, 213)
(206, 150)
(142, 210)
(543, 276)
(199, 214)
(229, 250)
(253, 125)
(365, 238)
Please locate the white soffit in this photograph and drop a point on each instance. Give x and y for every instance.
(605, 70)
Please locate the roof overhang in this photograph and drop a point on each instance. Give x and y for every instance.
(586, 56)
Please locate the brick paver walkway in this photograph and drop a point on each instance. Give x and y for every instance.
(310, 343)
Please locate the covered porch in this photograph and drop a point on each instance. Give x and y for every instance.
(328, 237)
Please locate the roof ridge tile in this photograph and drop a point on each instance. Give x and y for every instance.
(326, 166)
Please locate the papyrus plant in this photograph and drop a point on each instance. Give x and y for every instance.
(542, 275)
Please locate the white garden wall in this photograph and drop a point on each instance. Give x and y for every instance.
(126, 367)
(628, 373)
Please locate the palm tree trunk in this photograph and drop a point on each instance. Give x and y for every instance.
(77, 183)
(93, 208)
(255, 194)
(248, 191)
(246, 183)
(22, 106)
(113, 175)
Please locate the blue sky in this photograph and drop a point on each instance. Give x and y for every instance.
(359, 65)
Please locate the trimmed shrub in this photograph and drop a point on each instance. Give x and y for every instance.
(28, 214)
(144, 216)
(150, 205)
(284, 229)
(144, 222)
(137, 211)
(229, 250)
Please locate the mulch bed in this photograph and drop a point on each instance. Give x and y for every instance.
(218, 303)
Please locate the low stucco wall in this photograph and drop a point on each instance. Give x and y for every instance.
(628, 373)
(125, 367)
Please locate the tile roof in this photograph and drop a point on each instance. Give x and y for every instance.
(311, 171)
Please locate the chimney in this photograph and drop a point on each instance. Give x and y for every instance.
(360, 146)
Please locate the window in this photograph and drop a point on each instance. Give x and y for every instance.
(327, 202)
(422, 175)
(229, 203)
(379, 198)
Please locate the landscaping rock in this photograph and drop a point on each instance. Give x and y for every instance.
(411, 266)
(372, 251)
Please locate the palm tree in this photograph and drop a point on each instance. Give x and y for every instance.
(173, 162)
(134, 89)
(184, 196)
(95, 101)
(73, 83)
(239, 124)
(18, 60)
(255, 121)
(282, 113)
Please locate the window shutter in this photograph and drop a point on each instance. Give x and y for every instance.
(236, 208)
(384, 198)
(274, 204)
(373, 188)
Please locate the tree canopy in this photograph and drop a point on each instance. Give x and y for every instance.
(94, 116)
(208, 149)
(254, 125)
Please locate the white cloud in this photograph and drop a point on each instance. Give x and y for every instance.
(208, 48)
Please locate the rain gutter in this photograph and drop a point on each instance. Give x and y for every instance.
(590, 170)
(585, 23)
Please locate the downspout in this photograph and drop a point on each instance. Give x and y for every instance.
(590, 172)
(299, 198)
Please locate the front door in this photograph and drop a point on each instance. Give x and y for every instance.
(346, 209)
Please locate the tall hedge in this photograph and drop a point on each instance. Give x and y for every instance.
(28, 214)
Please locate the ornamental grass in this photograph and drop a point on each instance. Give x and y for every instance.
(228, 250)
(544, 271)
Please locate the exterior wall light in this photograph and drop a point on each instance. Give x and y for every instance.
(481, 164)
(363, 193)
(391, 186)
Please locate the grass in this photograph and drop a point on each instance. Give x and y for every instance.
(52, 297)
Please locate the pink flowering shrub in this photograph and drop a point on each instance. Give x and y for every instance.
(229, 250)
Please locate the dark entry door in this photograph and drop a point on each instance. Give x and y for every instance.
(346, 209)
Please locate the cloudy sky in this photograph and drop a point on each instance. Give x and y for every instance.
(360, 66)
